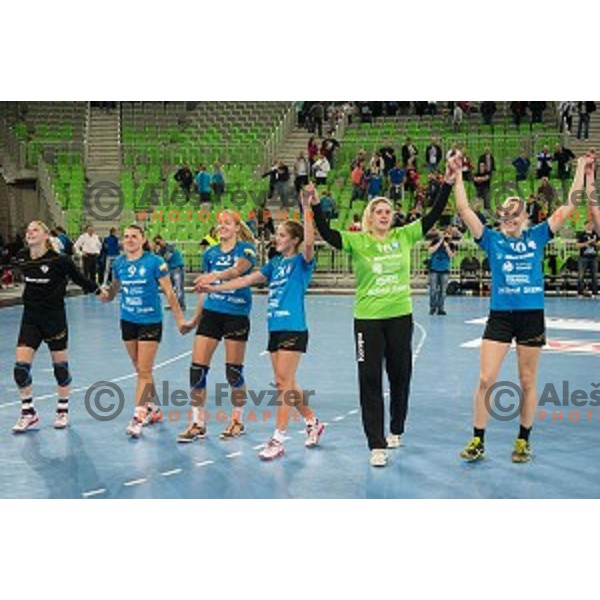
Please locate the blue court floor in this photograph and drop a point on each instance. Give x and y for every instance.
(95, 459)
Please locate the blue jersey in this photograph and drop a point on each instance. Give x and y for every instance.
(288, 280)
(516, 267)
(396, 176)
(236, 302)
(203, 180)
(140, 297)
(172, 257)
(440, 260)
(111, 245)
(374, 185)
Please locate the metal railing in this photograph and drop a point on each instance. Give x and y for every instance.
(86, 135)
(47, 195)
(275, 141)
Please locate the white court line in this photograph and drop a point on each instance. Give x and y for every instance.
(421, 342)
(263, 353)
(205, 463)
(233, 455)
(115, 380)
(135, 482)
(340, 418)
(353, 412)
(259, 447)
(93, 493)
(173, 472)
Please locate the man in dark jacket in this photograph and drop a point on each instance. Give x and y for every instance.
(585, 109)
(488, 109)
(433, 155)
(185, 179)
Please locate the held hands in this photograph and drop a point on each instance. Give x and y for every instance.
(309, 196)
(104, 296)
(453, 168)
(186, 326)
(589, 162)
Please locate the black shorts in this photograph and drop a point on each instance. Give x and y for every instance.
(292, 341)
(527, 327)
(44, 327)
(217, 325)
(132, 332)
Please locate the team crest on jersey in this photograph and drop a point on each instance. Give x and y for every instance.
(142, 271)
(508, 267)
(532, 245)
(45, 268)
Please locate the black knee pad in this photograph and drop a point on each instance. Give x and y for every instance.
(22, 374)
(198, 374)
(235, 375)
(61, 373)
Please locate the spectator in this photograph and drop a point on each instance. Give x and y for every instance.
(329, 147)
(396, 178)
(534, 210)
(282, 177)
(457, 118)
(587, 242)
(434, 185)
(544, 160)
(321, 169)
(356, 223)
(374, 185)
(521, 165)
(316, 114)
(413, 215)
(203, 184)
(432, 108)
(361, 156)
(217, 182)
(328, 206)
(312, 150)
(547, 195)
(266, 226)
(376, 162)
(433, 155)
(518, 110)
(537, 110)
(55, 241)
(88, 245)
(399, 216)
(65, 240)
(563, 157)
(111, 248)
(566, 108)
(482, 183)
(366, 114)
(585, 109)
(453, 150)
(408, 151)
(357, 183)
(185, 179)
(388, 154)
(391, 108)
(488, 159)
(272, 175)
(488, 109)
(441, 251)
(412, 178)
(172, 256)
(301, 172)
(467, 168)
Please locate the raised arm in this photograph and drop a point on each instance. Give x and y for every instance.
(562, 213)
(592, 195)
(453, 167)
(309, 228)
(331, 236)
(465, 212)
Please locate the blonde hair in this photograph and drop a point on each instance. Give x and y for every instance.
(370, 208)
(46, 230)
(245, 233)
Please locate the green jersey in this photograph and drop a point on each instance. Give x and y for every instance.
(382, 270)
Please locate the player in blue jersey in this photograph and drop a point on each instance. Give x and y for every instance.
(140, 275)
(288, 276)
(222, 315)
(517, 303)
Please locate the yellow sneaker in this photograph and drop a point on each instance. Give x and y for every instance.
(521, 452)
(475, 450)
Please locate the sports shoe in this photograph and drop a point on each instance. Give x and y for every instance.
(394, 441)
(233, 430)
(378, 458)
(26, 421)
(442, 312)
(134, 429)
(272, 450)
(432, 311)
(61, 420)
(474, 450)
(192, 433)
(313, 434)
(153, 415)
(521, 452)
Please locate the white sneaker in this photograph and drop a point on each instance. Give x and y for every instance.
(394, 441)
(25, 422)
(61, 420)
(313, 434)
(272, 450)
(134, 429)
(378, 457)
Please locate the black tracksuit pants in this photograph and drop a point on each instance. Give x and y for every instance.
(379, 342)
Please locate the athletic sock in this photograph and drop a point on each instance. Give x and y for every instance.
(62, 406)
(27, 407)
(524, 433)
(311, 422)
(480, 433)
(196, 415)
(237, 415)
(279, 436)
